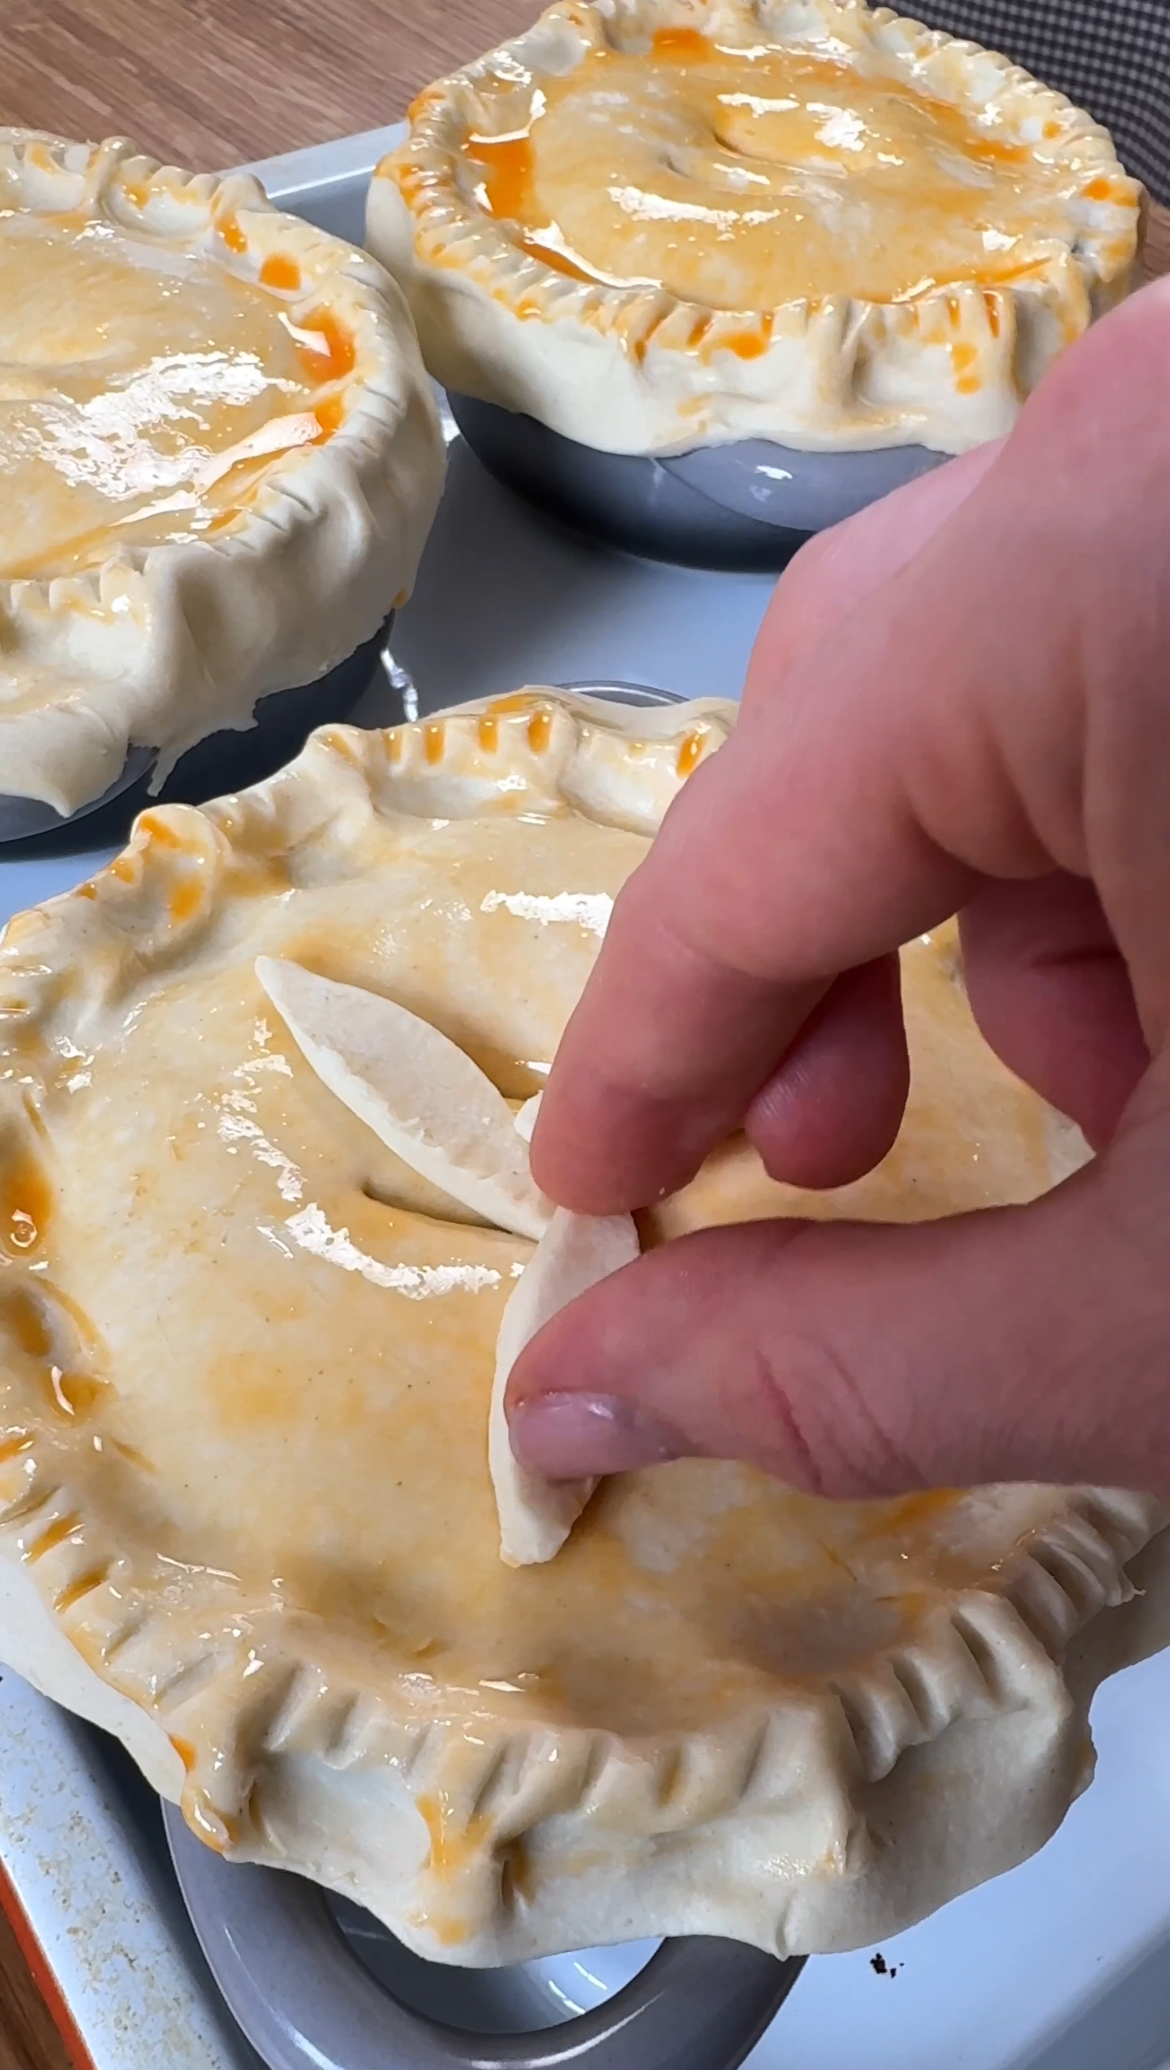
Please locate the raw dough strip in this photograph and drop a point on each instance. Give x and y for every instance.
(429, 1103)
(536, 1516)
(420, 1093)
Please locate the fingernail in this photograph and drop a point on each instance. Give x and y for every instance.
(566, 1436)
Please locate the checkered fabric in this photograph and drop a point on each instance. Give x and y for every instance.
(1109, 56)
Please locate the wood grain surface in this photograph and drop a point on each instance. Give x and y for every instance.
(209, 83)
(28, 2038)
(205, 84)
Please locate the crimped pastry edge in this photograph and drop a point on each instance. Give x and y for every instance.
(843, 1810)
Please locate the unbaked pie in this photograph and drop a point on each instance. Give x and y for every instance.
(246, 1360)
(657, 224)
(219, 456)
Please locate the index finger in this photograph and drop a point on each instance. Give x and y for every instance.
(861, 801)
(709, 969)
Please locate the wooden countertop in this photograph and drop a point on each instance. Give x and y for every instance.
(28, 2038)
(209, 83)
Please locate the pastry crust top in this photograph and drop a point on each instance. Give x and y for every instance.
(189, 379)
(705, 184)
(246, 1360)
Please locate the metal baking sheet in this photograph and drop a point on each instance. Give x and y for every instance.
(1062, 1965)
(82, 1845)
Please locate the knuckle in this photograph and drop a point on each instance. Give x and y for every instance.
(824, 1427)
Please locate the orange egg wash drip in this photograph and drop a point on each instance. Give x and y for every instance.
(328, 353)
(232, 235)
(186, 898)
(453, 1843)
(58, 1531)
(506, 192)
(330, 417)
(75, 1394)
(681, 44)
(540, 731)
(26, 1319)
(507, 167)
(748, 177)
(26, 1203)
(153, 827)
(74, 1591)
(329, 350)
(66, 1393)
(280, 272)
(690, 751)
(963, 359)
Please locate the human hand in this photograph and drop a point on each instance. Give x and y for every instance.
(960, 701)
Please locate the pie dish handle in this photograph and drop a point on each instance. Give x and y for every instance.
(303, 1999)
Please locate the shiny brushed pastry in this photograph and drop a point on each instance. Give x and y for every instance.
(606, 334)
(246, 1517)
(220, 452)
(437, 1111)
(419, 1092)
(426, 1100)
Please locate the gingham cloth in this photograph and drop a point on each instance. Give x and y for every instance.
(1109, 56)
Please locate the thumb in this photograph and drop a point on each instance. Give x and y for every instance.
(855, 1360)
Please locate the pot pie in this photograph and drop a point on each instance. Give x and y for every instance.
(247, 1520)
(219, 453)
(659, 224)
